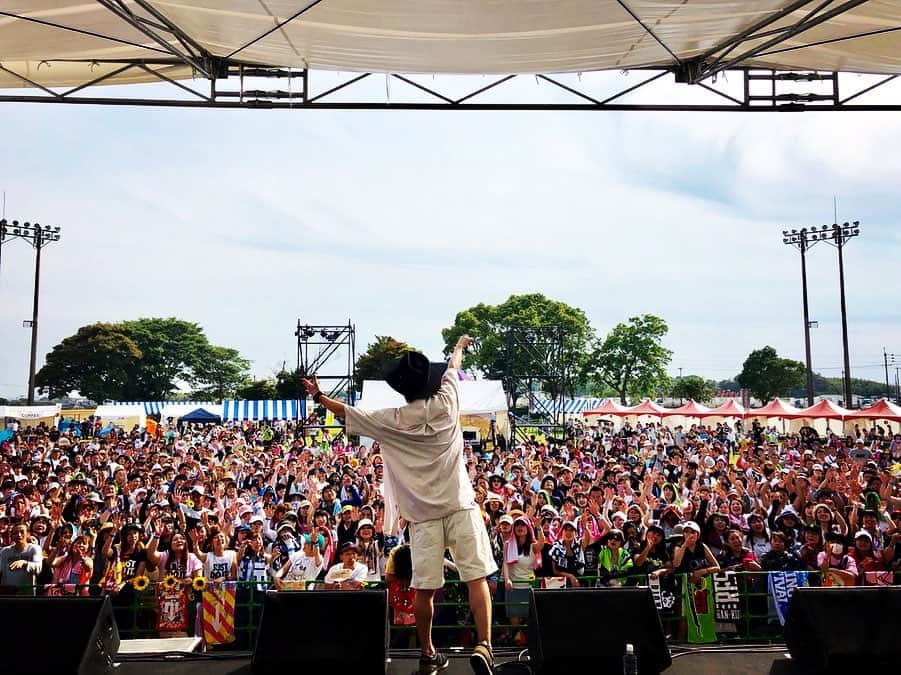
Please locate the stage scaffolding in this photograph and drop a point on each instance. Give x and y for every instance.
(535, 364)
(329, 352)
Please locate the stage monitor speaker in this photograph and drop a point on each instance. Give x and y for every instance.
(71, 636)
(836, 629)
(321, 631)
(587, 630)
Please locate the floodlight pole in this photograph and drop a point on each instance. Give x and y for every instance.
(39, 237)
(838, 236)
(798, 239)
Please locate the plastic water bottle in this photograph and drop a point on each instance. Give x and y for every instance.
(630, 661)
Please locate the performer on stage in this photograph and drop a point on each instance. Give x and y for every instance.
(427, 484)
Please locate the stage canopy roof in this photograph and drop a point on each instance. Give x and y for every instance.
(69, 42)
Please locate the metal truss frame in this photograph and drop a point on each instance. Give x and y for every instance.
(534, 355)
(297, 95)
(327, 341)
(175, 47)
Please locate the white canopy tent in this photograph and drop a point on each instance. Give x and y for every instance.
(51, 43)
(478, 399)
(30, 414)
(125, 416)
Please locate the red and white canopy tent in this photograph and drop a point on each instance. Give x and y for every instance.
(645, 410)
(607, 409)
(819, 416)
(882, 410)
(690, 409)
(686, 414)
(728, 412)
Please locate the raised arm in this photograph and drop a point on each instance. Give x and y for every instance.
(332, 405)
(456, 359)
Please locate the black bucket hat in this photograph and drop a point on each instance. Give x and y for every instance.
(414, 377)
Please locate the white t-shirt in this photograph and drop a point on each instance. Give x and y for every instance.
(422, 448)
(303, 567)
(340, 573)
(218, 567)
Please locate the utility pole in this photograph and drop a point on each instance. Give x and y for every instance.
(886, 357)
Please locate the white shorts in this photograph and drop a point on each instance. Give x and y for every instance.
(464, 534)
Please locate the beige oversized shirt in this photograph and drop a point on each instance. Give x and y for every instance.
(422, 450)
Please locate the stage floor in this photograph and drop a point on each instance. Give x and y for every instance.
(715, 661)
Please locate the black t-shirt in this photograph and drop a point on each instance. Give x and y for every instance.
(780, 562)
(692, 561)
(131, 562)
(656, 560)
(592, 552)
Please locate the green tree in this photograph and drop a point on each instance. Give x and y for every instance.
(632, 358)
(767, 375)
(257, 390)
(288, 386)
(489, 324)
(371, 363)
(98, 361)
(692, 387)
(219, 371)
(140, 360)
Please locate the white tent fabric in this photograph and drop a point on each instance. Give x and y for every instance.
(156, 407)
(479, 397)
(29, 412)
(115, 413)
(435, 36)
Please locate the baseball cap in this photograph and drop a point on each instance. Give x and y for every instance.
(506, 518)
(691, 525)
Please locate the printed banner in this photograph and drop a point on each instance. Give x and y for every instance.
(172, 614)
(727, 606)
(698, 608)
(782, 585)
(664, 592)
(553, 582)
(878, 578)
(218, 614)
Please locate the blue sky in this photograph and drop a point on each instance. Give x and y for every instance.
(244, 221)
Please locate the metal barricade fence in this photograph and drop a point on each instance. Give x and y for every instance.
(136, 611)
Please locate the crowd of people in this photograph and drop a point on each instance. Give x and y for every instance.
(267, 504)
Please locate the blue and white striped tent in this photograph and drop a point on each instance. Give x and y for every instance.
(571, 406)
(234, 410)
(156, 407)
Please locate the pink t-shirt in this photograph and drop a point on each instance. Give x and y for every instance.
(175, 570)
